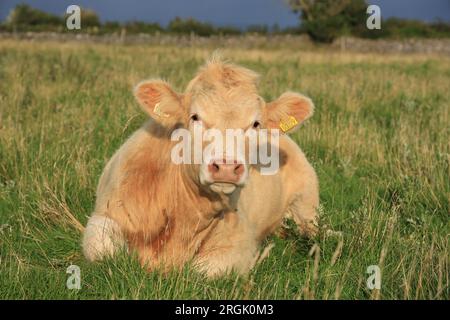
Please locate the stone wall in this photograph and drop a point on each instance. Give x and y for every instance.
(439, 46)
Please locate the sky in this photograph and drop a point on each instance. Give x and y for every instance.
(239, 13)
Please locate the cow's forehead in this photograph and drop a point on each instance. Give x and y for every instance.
(223, 92)
(231, 112)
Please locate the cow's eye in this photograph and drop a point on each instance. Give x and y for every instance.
(195, 117)
(256, 124)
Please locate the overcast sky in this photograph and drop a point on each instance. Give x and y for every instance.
(238, 13)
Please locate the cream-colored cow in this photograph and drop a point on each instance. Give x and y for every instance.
(213, 214)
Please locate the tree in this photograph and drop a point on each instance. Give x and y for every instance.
(324, 20)
(89, 18)
(143, 27)
(190, 25)
(258, 29)
(24, 16)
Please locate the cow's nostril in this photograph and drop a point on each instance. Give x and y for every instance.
(239, 169)
(214, 167)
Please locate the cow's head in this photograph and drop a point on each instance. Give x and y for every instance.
(222, 96)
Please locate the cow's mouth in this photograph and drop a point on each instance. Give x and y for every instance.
(223, 187)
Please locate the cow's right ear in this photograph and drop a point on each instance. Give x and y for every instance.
(158, 100)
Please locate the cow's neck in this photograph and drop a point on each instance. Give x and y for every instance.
(176, 185)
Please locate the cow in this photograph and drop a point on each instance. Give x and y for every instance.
(213, 214)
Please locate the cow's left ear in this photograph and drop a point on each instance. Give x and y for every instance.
(159, 101)
(288, 111)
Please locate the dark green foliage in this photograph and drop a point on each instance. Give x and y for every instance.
(190, 25)
(89, 19)
(258, 28)
(228, 31)
(25, 18)
(324, 20)
(142, 27)
(24, 15)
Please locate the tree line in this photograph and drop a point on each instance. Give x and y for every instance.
(322, 20)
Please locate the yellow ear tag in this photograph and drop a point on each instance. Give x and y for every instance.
(288, 124)
(157, 110)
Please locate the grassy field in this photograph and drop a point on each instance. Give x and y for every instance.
(379, 141)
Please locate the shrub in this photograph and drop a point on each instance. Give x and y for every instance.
(142, 27)
(24, 17)
(190, 25)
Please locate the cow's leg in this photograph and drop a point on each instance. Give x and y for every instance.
(239, 258)
(233, 248)
(101, 238)
(304, 203)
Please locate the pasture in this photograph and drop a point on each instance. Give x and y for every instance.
(379, 141)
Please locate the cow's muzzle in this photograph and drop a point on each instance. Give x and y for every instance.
(223, 175)
(226, 172)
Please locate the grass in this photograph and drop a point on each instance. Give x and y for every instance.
(379, 141)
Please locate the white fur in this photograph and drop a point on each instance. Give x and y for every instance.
(102, 237)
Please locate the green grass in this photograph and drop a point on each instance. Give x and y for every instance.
(379, 141)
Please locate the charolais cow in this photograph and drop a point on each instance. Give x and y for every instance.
(215, 212)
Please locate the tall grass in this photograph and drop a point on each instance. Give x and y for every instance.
(379, 141)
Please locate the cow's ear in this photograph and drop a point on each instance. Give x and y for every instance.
(288, 111)
(158, 100)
